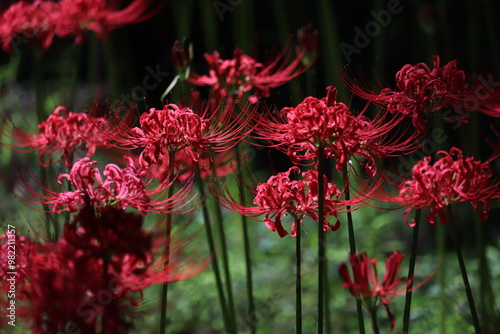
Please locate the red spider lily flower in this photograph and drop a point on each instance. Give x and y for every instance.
(62, 132)
(451, 179)
(122, 258)
(76, 17)
(120, 187)
(325, 123)
(173, 129)
(136, 254)
(15, 253)
(281, 196)
(29, 22)
(232, 78)
(366, 286)
(42, 20)
(57, 275)
(422, 91)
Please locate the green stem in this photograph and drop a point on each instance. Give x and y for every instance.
(326, 289)
(210, 27)
(373, 316)
(215, 264)
(321, 239)
(40, 113)
(225, 265)
(411, 270)
(298, 282)
(442, 279)
(461, 262)
(39, 93)
(93, 64)
(309, 82)
(486, 294)
(248, 257)
(352, 246)
(73, 78)
(166, 254)
(329, 38)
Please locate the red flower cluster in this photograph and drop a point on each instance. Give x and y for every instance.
(170, 129)
(232, 78)
(328, 124)
(62, 132)
(280, 196)
(299, 198)
(19, 249)
(35, 20)
(44, 19)
(451, 179)
(365, 283)
(95, 272)
(121, 188)
(422, 91)
(174, 129)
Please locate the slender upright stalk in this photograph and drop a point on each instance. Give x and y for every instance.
(352, 246)
(40, 113)
(463, 270)
(321, 238)
(373, 316)
(225, 264)
(93, 63)
(248, 255)
(228, 324)
(486, 294)
(39, 93)
(411, 270)
(442, 279)
(166, 252)
(211, 33)
(327, 294)
(329, 38)
(298, 281)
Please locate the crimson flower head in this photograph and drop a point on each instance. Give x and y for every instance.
(76, 17)
(325, 123)
(62, 132)
(173, 129)
(168, 129)
(18, 261)
(451, 179)
(234, 77)
(93, 276)
(120, 188)
(41, 20)
(281, 196)
(29, 21)
(422, 91)
(365, 283)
